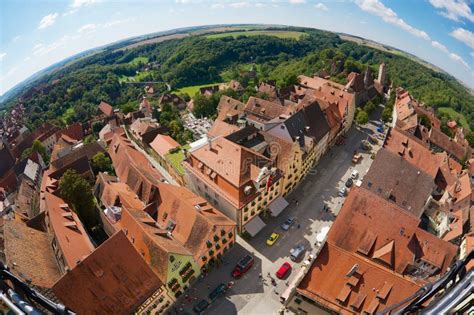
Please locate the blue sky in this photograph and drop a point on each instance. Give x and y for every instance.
(36, 34)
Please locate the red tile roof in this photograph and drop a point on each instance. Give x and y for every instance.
(29, 254)
(106, 108)
(73, 131)
(113, 279)
(67, 229)
(163, 144)
(413, 150)
(369, 288)
(220, 128)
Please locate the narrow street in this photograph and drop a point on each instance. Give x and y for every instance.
(253, 295)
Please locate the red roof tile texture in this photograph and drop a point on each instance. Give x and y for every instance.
(114, 279)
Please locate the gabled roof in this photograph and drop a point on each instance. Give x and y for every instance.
(73, 131)
(68, 230)
(453, 148)
(316, 124)
(268, 89)
(106, 108)
(412, 150)
(348, 283)
(395, 179)
(29, 254)
(229, 160)
(265, 110)
(221, 128)
(163, 144)
(229, 107)
(196, 221)
(113, 279)
(142, 126)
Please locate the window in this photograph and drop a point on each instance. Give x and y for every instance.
(205, 187)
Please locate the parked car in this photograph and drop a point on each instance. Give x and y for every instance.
(365, 145)
(243, 266)
(201, 306)
(356, 158)
(355, 174)
(373, 139)
(218, 292)
(342, 192)
(272, 239)
(349, 182)
(283, 271)
(288, 223)
(380, 129)
(297, 252)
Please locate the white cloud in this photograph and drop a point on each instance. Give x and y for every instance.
(297, 1)
(118, 22)
(239, 5)
(82, 3)
(454, 9)
(463, 35)
(459, 60)
(439, 46)
(27, 59)
(321, 6)
(41, 49)
(217, 6)
(2, 55)
(388, 15)
(48, 20)
(87, 28)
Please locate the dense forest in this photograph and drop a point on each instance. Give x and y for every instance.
(72, 93)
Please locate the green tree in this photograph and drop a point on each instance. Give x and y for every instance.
(101, 163)
(470, 138)
(97, 127)
(77, 192)
(36, 147)
(425, 121)
(362, 117)
(369, 107)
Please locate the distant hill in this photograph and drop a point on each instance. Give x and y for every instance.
(69, 90)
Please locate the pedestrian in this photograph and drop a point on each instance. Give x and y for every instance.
(208, 287)
(299, 225)
(260, 275)
(297, 203)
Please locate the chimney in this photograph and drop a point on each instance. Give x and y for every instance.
(209, 143)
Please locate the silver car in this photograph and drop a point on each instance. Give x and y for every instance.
(288, 223)
(297, 252)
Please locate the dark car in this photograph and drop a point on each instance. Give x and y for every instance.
(349, 183)
(217, 292)
(201, 307)
(243, 266)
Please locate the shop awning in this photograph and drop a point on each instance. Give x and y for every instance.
(277, 206)
(254, 226)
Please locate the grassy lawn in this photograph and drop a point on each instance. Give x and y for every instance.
(176, 158)
(455, 115)
(191, 90)
(280, 34)
(138, 60)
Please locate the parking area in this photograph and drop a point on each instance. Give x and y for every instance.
(254, 293)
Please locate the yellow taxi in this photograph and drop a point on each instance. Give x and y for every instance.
(272, 239)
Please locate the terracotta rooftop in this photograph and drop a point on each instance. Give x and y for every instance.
(133, 168)
(106, 108)
(29, 254)
(73, 131)
(360, 228)
(395, 179)
(118, 194)
(68, 230)
(229, 107)
(142, 126)
(229, 160)
(269, 90)
(265, 110)
(316, 83)
(163, 144)
(329, 92)
(348, 283)
(196, 221)
(453, 148)
(221, 128)
(412, 150)
(113, 279)
(461, 188)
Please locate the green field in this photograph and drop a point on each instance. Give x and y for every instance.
(455, 115)
(280, 34)
(138, 60)
(192, 90)
(176, 158)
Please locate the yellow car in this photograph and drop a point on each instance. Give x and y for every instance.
(272, 239)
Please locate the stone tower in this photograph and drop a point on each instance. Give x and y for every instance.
(382, 74)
